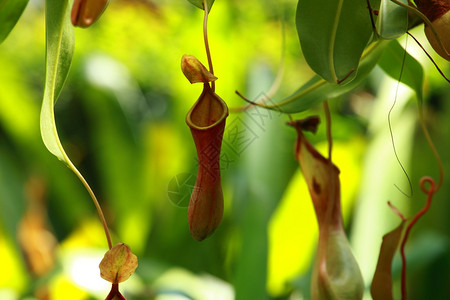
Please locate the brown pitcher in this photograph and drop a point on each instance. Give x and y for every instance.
(206, 120)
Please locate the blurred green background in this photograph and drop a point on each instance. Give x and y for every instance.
(121, 119)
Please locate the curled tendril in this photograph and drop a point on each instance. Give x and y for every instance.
(430, 191)
(430, 181)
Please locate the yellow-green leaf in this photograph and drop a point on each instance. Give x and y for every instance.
(59, 53)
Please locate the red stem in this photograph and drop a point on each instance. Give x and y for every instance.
(430, 192)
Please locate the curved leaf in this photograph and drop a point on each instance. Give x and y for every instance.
(199, 3)
(333, 35)
(392, 19)
(10, 12)
(59, 53)
(392, 63)
(316, 90)
(381, 288)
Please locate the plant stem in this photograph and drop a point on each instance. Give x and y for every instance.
(205, 37)
(430, 192)
(391, 132)
(432, 147)
(96, 203)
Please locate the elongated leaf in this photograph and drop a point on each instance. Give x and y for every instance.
(333, 35)
(199, 3)
(10, 12)
(381, 288)
(392, 63)
(59, 47)
(392, 19)
(316, 90)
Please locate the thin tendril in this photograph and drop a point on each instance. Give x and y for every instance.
(245, 98)
(346, 76)
(392, 133)
(374, 27)
(96, 203)
(430, 192)
(205, 37)
(274, 107)
(425, 129)
(429, 56)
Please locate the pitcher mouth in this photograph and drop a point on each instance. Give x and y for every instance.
(208, 111)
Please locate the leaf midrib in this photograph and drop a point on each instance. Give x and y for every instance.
(333, 41)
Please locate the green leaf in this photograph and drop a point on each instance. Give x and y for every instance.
(333, 35)
(381, 288)
(199, 3)
(59, 53)
(392, 19)
(392, 63)
(10, 12)
(316, 90)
